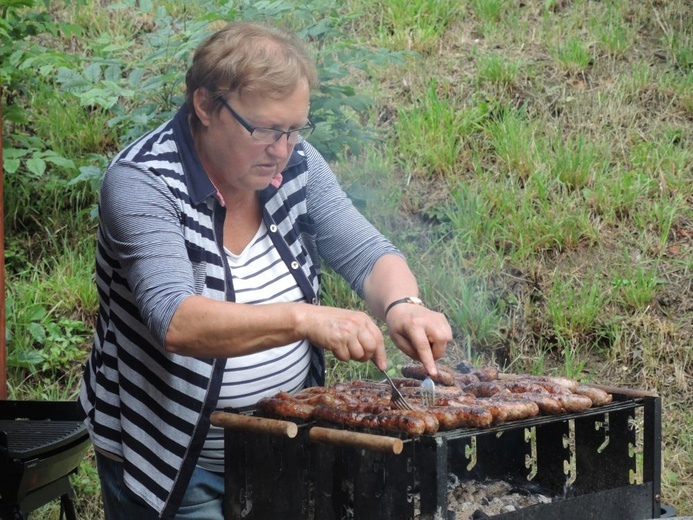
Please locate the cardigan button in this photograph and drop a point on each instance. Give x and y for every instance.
(294, 265)
(273, 228)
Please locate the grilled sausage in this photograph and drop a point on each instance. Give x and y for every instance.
(430, 420)
(598, 396)
(405, 382)
(517, 386)
(550, 386)
(483, 374)
(545, 401)
(573, 402)
(498, 411)
(390, 420)
(552, 383)
(416, 370)
(485, 389)
(361, 385)
(464, 415)
(516, 408)
(466, 379)
(441, 391)
(486, 374)
(285, 406)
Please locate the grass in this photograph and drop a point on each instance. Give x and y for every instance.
(535, 167)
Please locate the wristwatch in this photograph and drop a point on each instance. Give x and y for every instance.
(406, 299)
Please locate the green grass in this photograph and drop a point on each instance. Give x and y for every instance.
(534, 165)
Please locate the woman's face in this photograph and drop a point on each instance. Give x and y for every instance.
(235, 160)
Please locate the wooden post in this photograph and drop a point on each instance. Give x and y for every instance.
(3, 350)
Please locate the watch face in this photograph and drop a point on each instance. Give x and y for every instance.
(414, 299)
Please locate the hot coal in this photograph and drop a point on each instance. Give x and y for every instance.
(473, 499)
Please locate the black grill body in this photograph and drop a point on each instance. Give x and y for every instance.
(600, 464)
(41, 444)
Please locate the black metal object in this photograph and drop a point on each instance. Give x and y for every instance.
(41, 444)
(599, 464)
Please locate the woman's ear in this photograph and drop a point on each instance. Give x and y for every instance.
(203, 105)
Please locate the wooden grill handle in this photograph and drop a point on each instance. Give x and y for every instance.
(254, 424)
(356, 440)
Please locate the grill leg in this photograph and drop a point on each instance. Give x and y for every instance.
(67, 505)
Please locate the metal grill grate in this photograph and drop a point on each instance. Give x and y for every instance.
(30, 439)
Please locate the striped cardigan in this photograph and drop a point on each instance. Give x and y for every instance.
(160, 241)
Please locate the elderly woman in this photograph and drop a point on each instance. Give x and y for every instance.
(212, 231)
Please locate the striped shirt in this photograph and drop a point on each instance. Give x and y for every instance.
(259, 277)
(160, 240)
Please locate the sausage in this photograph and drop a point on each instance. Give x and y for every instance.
(550, 386)
(416, 370)
(486, 374)
(499, 413)
(464, 415)
(516, 408)
(441, 391)
(483, 374)
(573, 402)
(466, 379)
(310, 391)
(565, 382)
(374, 407)
(552, 382)
(545, 401)
(517, 386)
(598, 396)
(430, 420)
(284, 406)
(361, 385)
(404, 382)
(326, 396)
(386, 420)
(349, 418)
(485, 389)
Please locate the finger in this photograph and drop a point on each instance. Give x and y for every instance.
(372, 342)
(438, 349)
(423, 351)
(380, 357)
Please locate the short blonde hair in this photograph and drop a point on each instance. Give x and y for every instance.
(249, 57)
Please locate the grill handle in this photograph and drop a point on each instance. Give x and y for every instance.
(351, 439)
(254, 424)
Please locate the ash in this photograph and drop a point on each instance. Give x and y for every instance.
(473, 499)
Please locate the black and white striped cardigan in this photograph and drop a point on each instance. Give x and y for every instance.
(160, 241)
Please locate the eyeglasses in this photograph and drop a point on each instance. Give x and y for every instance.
(271, 135)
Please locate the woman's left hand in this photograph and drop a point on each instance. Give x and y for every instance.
(420, 333)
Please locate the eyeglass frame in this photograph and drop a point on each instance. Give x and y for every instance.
(310, 127)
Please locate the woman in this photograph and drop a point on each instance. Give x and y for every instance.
(212, 230)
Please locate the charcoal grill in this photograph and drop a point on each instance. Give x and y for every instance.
(41, 444)
(603, 463)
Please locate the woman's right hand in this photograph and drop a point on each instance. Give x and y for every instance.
(348, 334)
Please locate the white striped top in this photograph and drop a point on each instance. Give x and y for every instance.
(259, 277)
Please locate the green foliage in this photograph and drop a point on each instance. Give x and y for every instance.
(430, 132)
(573, 55)
(40, 342)
(416, 25)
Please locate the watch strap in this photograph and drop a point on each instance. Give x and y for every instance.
(406, 299)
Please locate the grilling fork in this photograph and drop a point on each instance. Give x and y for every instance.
(396, 396)
(428, 392)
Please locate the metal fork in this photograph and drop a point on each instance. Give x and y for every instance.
(428, 392)
(396, 396)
